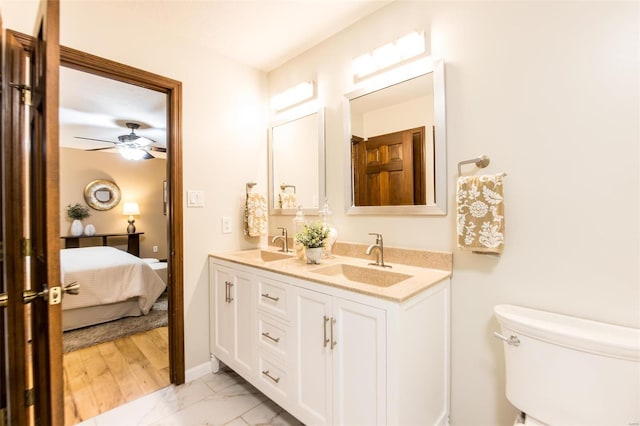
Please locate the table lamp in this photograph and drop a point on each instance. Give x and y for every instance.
(131, 209)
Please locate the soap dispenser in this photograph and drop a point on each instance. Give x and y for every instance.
(298, 226)
(325, 216)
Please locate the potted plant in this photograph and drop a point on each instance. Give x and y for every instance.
(313, 237)
(77, 212)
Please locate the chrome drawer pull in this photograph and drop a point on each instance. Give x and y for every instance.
(275, 379)
(273, 339)
(511, 340)
(268, 296)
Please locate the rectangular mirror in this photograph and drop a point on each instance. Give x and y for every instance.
(396, 140)
(297, 164)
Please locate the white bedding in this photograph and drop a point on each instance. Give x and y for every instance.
(107, 275)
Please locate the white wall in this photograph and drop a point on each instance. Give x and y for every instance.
(224, 124)
(550, 92)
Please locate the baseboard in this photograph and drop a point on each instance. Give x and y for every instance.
(197, 371)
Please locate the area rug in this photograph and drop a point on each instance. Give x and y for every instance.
(93, 335)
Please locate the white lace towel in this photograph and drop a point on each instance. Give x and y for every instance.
(255, 215)
(481, 213)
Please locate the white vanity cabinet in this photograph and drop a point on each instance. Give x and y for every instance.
(341, 360)
(232, 324)
(330, 355)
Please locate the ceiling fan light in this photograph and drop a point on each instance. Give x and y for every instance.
(133, 154)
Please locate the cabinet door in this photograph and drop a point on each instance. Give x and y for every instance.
(359, 364)
(313, 357)
(223, 324)
(232, 318)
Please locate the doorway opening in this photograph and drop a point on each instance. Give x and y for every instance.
(172, 89)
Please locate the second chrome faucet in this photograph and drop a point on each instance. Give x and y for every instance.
(378, 247)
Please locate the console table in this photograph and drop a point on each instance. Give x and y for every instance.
(133, 241)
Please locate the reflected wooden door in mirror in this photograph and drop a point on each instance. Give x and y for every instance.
(389, 169)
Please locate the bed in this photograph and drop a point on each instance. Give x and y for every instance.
(113, 284)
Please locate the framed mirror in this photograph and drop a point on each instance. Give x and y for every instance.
(102, 194)
(396, 140)
(297, 164)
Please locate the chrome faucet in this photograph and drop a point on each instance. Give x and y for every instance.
(285, 240)
(379, 247)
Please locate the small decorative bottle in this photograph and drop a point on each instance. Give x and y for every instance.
(325, 216)
(298, 226)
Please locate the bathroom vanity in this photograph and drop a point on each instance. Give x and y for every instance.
(337, 343)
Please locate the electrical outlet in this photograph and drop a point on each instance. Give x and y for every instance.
(155, 249)
(226, 225)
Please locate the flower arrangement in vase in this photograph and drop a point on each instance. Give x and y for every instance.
(76, 213)
(313, 237)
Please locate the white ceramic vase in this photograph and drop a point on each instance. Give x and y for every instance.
(76, 228)
(89, 230)
(313, 254)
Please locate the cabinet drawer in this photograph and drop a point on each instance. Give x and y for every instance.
(273, 298)
(272, 376)
(273, 336)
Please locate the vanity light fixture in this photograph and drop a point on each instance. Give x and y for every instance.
(296, 95)
(404, 48)
(134, 154)
(131, 209)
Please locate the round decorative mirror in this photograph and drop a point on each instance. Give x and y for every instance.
(102, 194)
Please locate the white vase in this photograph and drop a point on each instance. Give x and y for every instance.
(76, 228)
(89, 230)
(313, 254)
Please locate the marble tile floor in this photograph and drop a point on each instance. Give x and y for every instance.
(223, 398)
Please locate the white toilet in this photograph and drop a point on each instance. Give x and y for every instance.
(562, 370)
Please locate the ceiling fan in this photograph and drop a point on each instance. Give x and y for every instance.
(131, 146)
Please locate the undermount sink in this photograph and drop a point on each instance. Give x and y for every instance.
(264, 255)
(367, 275)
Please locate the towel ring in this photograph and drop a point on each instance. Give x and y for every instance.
(481, 162)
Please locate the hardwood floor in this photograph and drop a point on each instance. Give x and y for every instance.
(102, 377)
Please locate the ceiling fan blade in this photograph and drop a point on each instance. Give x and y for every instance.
(97, 140)
(144, 141)
(147, 156)
(158, 148)
(100, 149)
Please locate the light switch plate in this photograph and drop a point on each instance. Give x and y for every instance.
(226, 225)
(195, 198)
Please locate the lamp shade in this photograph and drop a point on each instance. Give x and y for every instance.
(131, 209)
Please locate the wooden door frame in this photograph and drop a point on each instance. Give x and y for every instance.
(92, 64)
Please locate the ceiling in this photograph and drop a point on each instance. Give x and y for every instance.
(96, 107)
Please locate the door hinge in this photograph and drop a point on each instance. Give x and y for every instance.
(29, 397)
(25, 93)
(26, 247)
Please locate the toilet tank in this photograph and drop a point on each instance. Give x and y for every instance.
(571, 371)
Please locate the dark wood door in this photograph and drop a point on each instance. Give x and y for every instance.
(389, 169)
(32, 332)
